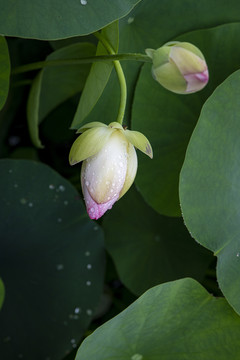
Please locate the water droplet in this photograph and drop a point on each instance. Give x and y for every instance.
(15, 185)
(92, 209)
(130, 20)
(83, 2)
(89, 266)
(238, 254)
(87, 183)
(51, 187)
(14, 140)
(74, 345)
(88, 283)
(10, 171)
(30, 204)
(59, 267)
(95, 228)
(89, 312)
(137, 357)
(65, 202)
(77, 310)
(61, 188)
(87, 253)
(23, 201)
(59, 220)
(73, 341)
(108, 198)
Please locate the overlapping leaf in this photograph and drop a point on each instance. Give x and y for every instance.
(174, 321)
(51, 260)
(148, 248)
(209, 186)
(169, 119)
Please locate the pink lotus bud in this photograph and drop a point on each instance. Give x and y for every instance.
(179, 67)
(109, 163)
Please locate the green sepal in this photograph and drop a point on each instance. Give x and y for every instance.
(131, 170)
(140, 141)
(90, 125)
(89, 143)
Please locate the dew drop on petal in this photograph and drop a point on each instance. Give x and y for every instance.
(77, 310)
(89, 266)
(88, 283)
(61, 188)
(83, 2)
(51, 187)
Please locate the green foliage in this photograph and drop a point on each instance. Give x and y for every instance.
(150, 249)
(2, 292)
(157, 325)
(4, 71)
(50, 88)
(52, 256)
(97, 78)
(51, 260)
(53, 20)
(210, 181)
(173, 117)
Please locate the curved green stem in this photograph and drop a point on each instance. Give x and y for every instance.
(121, 78)
(86, 60)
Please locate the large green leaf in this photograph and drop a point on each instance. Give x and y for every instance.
(51, 260)
(2, 292)
(4, 71)
(149, 248)
(58, 19)
(168, 119)
(209, 184)
(97, 78)
(54, 85)
(173, 321)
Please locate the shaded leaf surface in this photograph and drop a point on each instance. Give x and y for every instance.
(51, 261)
(209, 184)
(174, 321)
(148, 248)
(2, 293)
(4, 71)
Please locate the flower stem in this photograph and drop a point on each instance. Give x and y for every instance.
(86, 60)
(121, 78)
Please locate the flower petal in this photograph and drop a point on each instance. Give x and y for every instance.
(131, 170)
(90, 126)
(104, 174)
(95, 210)
(89, 143)
(139, 141)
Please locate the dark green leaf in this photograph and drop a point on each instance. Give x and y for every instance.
(4, 71)
(41, 19)
(97, 78)
(2, 293)
(148, 248)
(173, 321)
(54, 85)
(209, 185)
(51, 260)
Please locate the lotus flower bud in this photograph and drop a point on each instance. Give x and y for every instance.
(179, 67)
(109, 163)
